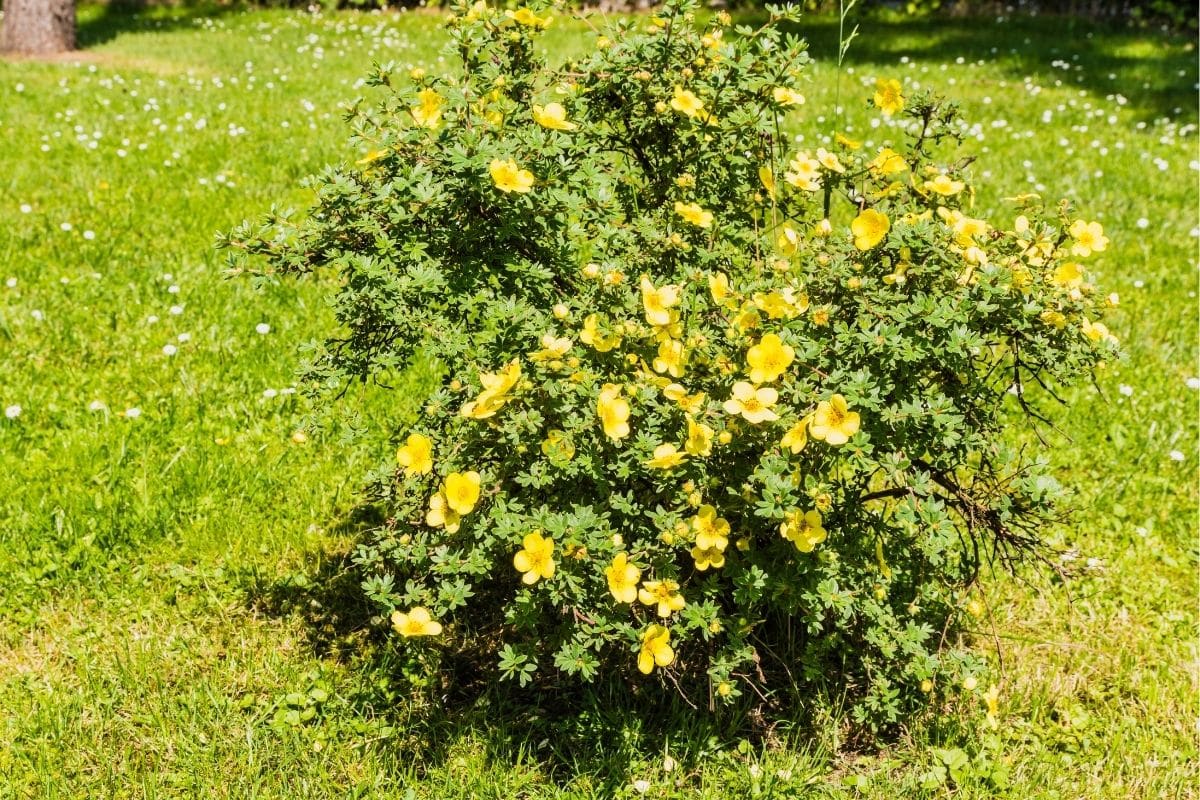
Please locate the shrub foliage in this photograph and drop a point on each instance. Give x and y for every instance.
(712, 410)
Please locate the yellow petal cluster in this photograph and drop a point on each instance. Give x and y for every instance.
(552, 116)
(495, 394)
(664, 594)
(833, 422)
(613, 411)
(428, 112)
(752, 403)
(686, 103)
(623, 579)
(417, 622)
(803, 529)
(888, 97)
(509, 177)
(769, 358)
(535, 559)
(416, 455)
(657, 302)
(869, 228)
(656, 649)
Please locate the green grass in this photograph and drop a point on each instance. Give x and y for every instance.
(174, 582)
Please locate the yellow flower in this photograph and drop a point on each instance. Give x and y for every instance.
(496, 387)
(590, 335)
(613, 411)
(847, 142)
(699, 438)
(553, 348)
(690, 403)
(966, 229)
(788, 241)
(477, 10)
(718, 286)
(769, 358)
(797, 436)
(1097, 331)
(416, 622)
(429, 113)
(671, 358)
(992, 698)
(1068, 274)
(553, 116)
(767, 178)
(461, 490)
(712, 557)
(535, 559)
(888, 98)
(1089, 238)
(783, 304)
(944, 185)
(787, 97)
(623, 578)
(416, 456)
(664, 594)
(887, 162)
(440, 515)
(869, 228)
(693, 213)
(712, 532)
(804, 172)
(829, 160)
(557, 446)
(754, 404)
(1055, 319)
(657, 302)
(371, 157)
(508, 177)
(656, 649)
(526, 17)
(666, 456)
(686, 103)
(833, 422)
(803, 529)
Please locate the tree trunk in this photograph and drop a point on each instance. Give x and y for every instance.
(38, 27)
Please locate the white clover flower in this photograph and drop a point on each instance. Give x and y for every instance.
(97, 405)
(169, 349)
(132, 413)
(1193, 383)
(262, 329)
(1175, 455)
(1125, 389)
(12, 412)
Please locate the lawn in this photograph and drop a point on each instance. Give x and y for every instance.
(177, 618)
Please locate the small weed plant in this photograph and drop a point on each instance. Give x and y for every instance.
(713, 411)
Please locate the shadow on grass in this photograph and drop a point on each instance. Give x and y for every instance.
(598, 732)
(1150, 68)
(1146, 67)
(101, 23)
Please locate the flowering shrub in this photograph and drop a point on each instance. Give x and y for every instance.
(712, 408)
